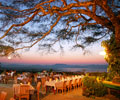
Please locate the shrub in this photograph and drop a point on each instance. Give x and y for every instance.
(92, 87)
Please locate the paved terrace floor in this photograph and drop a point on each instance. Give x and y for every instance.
(75, 94)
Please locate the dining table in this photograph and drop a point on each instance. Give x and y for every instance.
(39, 77)
(16, 90)
(53, 83)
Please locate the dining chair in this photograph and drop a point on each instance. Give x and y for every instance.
(50, 79)
(5, 79)
(79, 82)
(61, 86)
(1, 79)
(3, 95)
(12, 98)
(30, 80)
(24, 91)
(43, 82)
(15, 80)
(74, 83)
(35, 78)
(38, 89)
(16, 90)
(60, 77)
(56, 79)
(69, 85)
(47, 78)
(25, 80)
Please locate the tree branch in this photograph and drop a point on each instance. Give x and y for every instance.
(42, 36)
(17, 25)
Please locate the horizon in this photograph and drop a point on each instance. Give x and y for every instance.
(55, 67)
(50, 64)
(75, 57)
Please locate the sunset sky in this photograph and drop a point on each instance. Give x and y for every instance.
(68, 57)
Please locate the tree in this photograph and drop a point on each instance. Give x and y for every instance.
(25, 23)
(112, 56)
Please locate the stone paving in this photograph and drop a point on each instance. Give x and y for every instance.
(75, 94)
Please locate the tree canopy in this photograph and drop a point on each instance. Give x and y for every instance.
(112, 55)
(25, 23)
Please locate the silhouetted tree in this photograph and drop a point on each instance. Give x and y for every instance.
(25, 23)
(112, 56)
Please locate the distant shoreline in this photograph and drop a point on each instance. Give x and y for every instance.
(55, 67)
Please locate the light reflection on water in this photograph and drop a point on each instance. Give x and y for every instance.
(81, 70)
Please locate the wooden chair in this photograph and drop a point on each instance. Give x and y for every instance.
(15, 80)
(61, 86)
(5, 79)
(35, 78)
(61, 77)
(24, 91)
(8, 79)
(43, 82)
(47, 78)
(12, 98)
(1, 78)
(79, 82)
(30, 80)
(56, 79)
(16, 90)
(25, 80)
(38, 89)
(3, 95)
(50, 79)
(75, 83)
(69, 85)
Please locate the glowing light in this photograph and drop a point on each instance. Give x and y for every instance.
(9, 57)
(102, 53)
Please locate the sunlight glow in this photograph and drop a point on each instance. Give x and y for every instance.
(102, 53)
(9, 57)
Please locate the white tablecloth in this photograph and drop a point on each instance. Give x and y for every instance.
(54, 82)
(16, 88)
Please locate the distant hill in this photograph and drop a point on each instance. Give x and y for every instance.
(56, 67)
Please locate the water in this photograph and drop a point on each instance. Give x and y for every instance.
(56, 67)
(81, 70)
